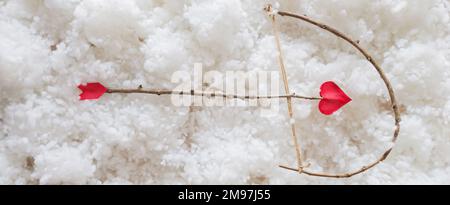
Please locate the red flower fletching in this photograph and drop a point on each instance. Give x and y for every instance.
(333, 98)
(92, 91)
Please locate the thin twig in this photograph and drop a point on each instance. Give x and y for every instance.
(298, 150)
(386, 81)
(206, 94)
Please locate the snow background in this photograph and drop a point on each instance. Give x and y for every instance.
(48, 47)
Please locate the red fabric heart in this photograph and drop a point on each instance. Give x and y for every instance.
(92, 91)
(333, 98)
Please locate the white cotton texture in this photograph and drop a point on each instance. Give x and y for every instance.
(48, 136)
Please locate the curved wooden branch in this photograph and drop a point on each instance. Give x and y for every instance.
(386, 81)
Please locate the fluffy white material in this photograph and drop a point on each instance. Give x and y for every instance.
(48, 136)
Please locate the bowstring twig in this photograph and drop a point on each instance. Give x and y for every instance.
(298, 149)
(386, 81)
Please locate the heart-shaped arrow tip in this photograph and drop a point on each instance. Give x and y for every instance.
(92, 91)
(333, 98)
